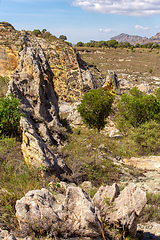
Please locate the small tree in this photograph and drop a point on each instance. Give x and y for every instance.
(95, 107)
(36, 32)
(63, 37)
(9, 115)
(80, 44)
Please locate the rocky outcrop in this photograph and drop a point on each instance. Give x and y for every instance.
(39, 211)
(111, 82)
(151, 163)
(75, 214)
(71, 76)
(32, 83)
(121, 209)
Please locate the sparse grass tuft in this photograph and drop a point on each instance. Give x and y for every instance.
(87, 160)
(151, 211)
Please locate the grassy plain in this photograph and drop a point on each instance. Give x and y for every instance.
(141, 64)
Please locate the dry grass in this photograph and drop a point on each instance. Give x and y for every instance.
(16, 179)
(142, 64)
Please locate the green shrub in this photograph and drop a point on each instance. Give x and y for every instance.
(95, 107)
(136, 108)
(9, 115)
(36, 32)
(147, 136)
(63, 37)
(157, 93)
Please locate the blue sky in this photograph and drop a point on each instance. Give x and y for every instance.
(84, 20)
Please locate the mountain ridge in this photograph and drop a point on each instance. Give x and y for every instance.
(133, 39)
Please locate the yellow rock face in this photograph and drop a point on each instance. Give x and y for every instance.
(8, 60)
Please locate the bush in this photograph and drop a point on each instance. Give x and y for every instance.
(147, 136)
(157, 93)
(9, 115)
(36, 32)
(95, 107)
(63, 37)
(136, 108)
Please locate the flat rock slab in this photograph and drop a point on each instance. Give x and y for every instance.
(150, 182)
(151, 229)
(146, 163)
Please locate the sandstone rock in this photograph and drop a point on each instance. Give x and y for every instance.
(40, 212)
(112, 82)
(88, 82)
(72, 77)
(32, 83)
(127, 208)
(104, 196)
(79, 213)
(36, 211)
(69, 111)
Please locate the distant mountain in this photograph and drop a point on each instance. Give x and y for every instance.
(133, 39)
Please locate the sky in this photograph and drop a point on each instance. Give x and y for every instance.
(84, 20)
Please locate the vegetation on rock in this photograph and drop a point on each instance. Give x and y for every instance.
(63, 37)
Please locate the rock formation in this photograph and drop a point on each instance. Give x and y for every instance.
(32, 82)
(121, 209)
(77, 215)
(72, 77)
(38, 211)
(111, 82)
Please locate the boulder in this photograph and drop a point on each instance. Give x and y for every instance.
(123, 210)
(38, 211)
(32, 83)
(105, 196)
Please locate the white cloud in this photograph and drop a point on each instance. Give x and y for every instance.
(106, 30)
(138, 27)
(122, 7)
